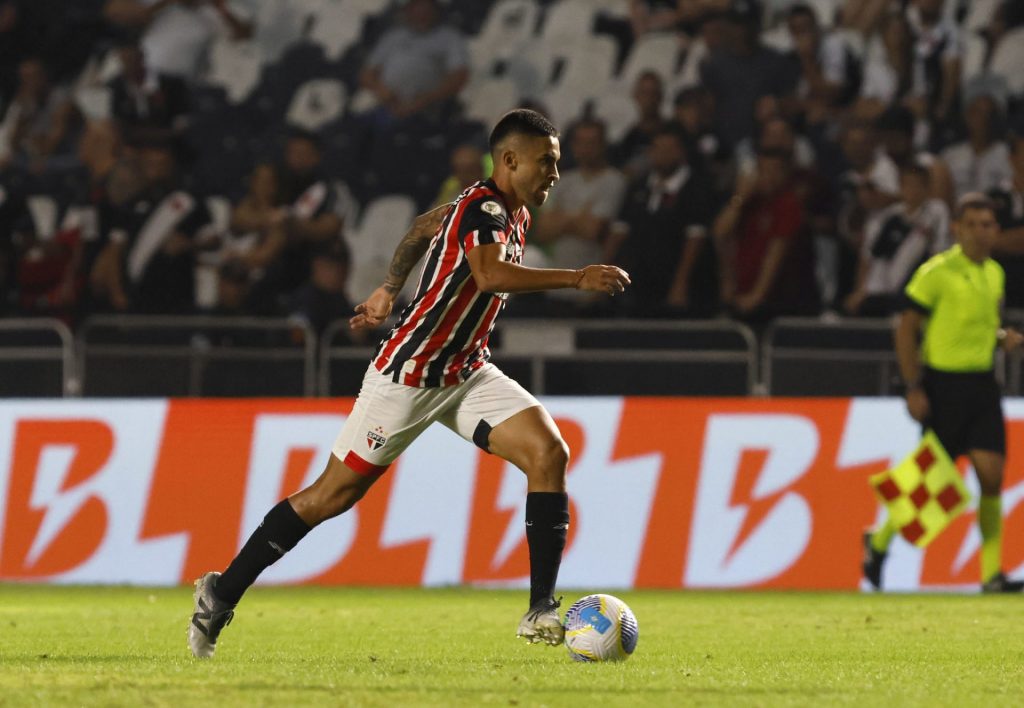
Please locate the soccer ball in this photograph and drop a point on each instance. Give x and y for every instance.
(600, 628)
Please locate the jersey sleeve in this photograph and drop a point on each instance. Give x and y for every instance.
(922, 292)
(483, 221)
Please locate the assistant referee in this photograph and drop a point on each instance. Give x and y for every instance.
(945, 342)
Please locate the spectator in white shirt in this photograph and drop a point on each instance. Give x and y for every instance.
(982, 161)
(574, 222)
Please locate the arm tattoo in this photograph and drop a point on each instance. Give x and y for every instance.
(412, 247)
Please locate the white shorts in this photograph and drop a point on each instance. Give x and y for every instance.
(388, 416)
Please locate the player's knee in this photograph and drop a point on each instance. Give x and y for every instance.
(991, 483)
(552, 458)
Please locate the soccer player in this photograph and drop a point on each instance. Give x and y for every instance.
(955, 298)
(433, 367)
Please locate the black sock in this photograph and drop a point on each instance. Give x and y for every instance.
(547, 525)
(280, 531)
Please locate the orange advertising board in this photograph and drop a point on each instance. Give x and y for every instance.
(665, 493)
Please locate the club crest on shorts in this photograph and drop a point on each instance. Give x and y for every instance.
(376, 439)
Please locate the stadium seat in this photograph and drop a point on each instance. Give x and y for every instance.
(236, 67)
(589, 66)
(316, 103)
(654, 52)
(569, 21)
(618, 111)
(339, 25)
(385, 220)
(1008, 58)
(979, 15)
(487, 101)
(973, 61)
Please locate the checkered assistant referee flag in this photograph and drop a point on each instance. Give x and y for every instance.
(924, 493)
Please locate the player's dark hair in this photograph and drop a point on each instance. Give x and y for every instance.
(974, 201)
(521, 121)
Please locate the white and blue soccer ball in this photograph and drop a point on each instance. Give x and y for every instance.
(600, 628)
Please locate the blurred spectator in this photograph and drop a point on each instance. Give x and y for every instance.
(776, 134)
(660, 237)
(177, 34)
(743, 71)
(147, 264)
(572, 226)
(147, 105)
(766, 263)
(37, 122)
(863, 16)
(694, 118)
(306, 219)
(938, 48)
(256, 234)
(888, 67)
(630, 154)
(672, 15)
(895, 130)
(417, 68)
(16, 228)
(896, 242)
(321, 300)
(1009, 199)
(829, 74)
(469, 165)
(19, 35)
(232, 290)
(869, 184)
(982, 161)
(59, 269)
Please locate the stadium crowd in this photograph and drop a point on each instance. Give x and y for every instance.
(739, 158)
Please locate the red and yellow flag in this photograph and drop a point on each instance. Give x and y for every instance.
(924, 493)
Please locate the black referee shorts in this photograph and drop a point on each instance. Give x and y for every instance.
(966, 411)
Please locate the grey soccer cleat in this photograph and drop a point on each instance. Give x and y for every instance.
(542, 624)
(209, 616)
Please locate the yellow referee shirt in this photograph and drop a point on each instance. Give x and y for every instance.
(962, 300)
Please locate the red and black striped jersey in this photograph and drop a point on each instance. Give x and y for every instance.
(441, 336)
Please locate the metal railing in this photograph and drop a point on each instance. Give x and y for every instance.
(195, 345)
(547, 346)
(194, 356)
(24, 346)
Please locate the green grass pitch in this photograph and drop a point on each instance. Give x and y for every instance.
(363, 647)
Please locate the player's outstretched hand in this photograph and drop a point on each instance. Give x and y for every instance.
(604, 279)
(372, 313)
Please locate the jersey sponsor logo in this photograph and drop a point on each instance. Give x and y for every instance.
(376, 439)
(492, 208)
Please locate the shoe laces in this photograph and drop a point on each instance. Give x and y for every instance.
(546, 605)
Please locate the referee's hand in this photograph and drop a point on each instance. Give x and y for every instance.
(917, 404)
(372, 313)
